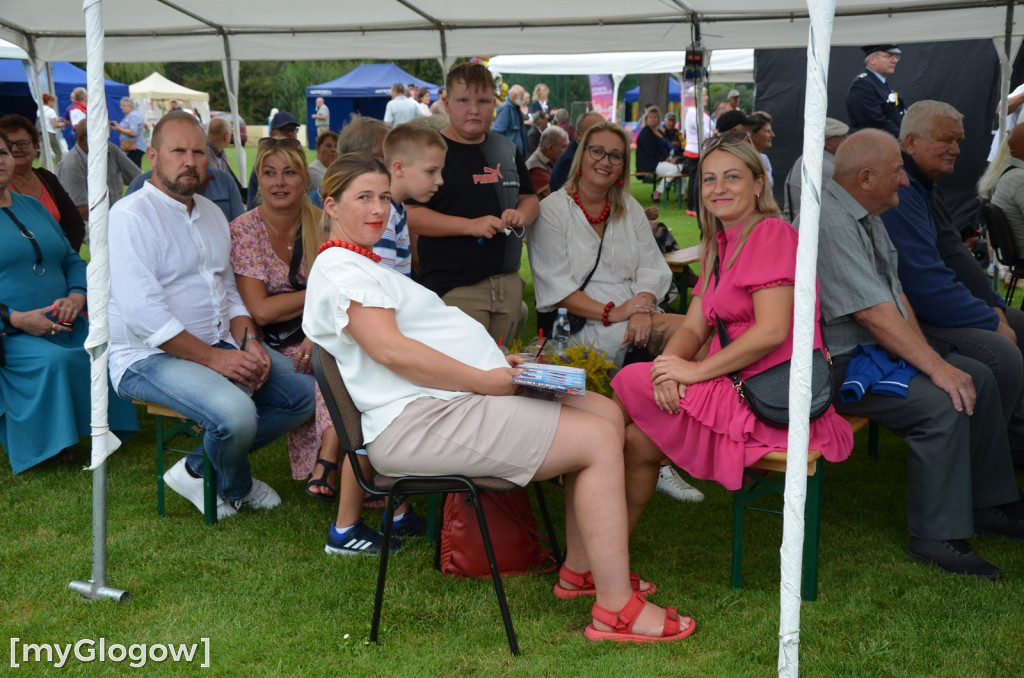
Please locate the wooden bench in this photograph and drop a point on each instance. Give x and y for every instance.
(760, 483)
(165, 431)
(679, 263)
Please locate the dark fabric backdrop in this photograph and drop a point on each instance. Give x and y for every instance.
(964, 74)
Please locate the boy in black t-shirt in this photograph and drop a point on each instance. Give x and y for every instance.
(471, 231)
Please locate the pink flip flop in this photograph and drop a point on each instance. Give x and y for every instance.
(621, 624)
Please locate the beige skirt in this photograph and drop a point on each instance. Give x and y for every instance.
(499, 436)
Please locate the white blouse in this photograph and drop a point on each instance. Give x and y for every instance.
(340, 277)
(563, 247)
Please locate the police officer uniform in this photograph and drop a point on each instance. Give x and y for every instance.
(871, 102)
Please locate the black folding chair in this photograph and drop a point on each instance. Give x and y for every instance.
(1001, 238)
(348, 425)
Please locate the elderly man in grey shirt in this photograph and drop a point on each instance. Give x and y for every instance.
(73, 170)
(959, 474)
(835, 134)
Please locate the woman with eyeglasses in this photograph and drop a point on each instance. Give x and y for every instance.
(687, 409)
(270, 246)
(45, 399)
(39, 183)
(592, 252)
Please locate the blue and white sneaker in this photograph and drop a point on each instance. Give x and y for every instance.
(409, 524)
(359, 539)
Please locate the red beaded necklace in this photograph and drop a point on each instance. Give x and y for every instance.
(601, 217)
(351, 247)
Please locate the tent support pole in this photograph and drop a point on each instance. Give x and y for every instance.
(97, 343)
(96, 588)
(231, 82)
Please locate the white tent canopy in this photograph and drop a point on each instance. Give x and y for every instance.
(157, 92)
(727, 65)
(198, 30)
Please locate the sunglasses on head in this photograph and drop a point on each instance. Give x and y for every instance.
(727, 139)
(266, 143)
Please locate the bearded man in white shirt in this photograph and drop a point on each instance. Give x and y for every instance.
(180, 335)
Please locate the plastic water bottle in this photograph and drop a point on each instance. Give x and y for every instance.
(560, 333)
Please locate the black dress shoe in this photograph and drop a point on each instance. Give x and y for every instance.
(954, 556)
(1000, 521)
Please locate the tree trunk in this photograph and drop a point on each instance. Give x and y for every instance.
(653, 91)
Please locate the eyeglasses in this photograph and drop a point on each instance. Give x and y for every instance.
(889, 55)
(289, 144)
(23, 144)
(728, 139)
(614, 157)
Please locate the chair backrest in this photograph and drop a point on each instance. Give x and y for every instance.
(999, 234)
(345, 415)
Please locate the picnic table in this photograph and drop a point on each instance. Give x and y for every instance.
(679, 263)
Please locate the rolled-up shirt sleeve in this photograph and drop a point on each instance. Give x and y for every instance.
(140, 297)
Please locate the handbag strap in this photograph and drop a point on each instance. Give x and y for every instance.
(293, 269)
(723, 336)
(37, 267)
(598, 261)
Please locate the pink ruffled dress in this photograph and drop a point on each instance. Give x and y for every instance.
(716, 435)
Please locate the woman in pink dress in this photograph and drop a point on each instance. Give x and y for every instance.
(269, 260)
(687, 409)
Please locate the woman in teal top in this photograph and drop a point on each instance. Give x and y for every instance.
(44, 377)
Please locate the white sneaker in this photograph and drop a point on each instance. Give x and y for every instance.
(182, 482)
(261, 496)
(671, 484)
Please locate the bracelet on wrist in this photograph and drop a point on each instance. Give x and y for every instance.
(607, 309)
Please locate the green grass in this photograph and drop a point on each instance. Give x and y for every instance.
(273, 604)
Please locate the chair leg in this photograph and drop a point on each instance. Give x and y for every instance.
(382, 572)
(873, 440)
(812, 534)
(433, 531)
(542, 504)
(499, 589)
(209, 491)
(437, 514)
(160, 506)
(739, 500)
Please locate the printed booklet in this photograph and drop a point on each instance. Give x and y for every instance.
(557, 378)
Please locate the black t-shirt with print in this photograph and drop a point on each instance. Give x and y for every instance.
(470, 190)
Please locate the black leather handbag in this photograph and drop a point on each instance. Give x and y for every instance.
(288, 332)
(767, 393)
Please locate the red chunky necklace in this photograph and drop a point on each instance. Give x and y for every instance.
(351, 247)
(594, 220)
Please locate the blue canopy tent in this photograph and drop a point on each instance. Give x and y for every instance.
(631, 96)
(365, 90)
(15, 96)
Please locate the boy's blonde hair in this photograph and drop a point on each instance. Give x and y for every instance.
(407, 141)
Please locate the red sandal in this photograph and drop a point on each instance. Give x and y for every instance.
(623, 620)
(584, 584)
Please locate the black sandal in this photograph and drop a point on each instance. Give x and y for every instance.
(329, 466)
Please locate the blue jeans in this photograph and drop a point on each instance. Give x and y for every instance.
(234, 423)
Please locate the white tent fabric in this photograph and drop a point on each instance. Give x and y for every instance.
(156, 92)
(197, 30)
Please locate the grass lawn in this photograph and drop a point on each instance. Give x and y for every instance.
(273, 604)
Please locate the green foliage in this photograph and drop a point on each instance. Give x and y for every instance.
(591, 360)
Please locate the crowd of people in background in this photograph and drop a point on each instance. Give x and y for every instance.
(398, 249)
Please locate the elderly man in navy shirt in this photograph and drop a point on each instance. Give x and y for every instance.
(951, 295)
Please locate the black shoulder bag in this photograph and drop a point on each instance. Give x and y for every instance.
(767, 392)
(288, 332)
(546, 319)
